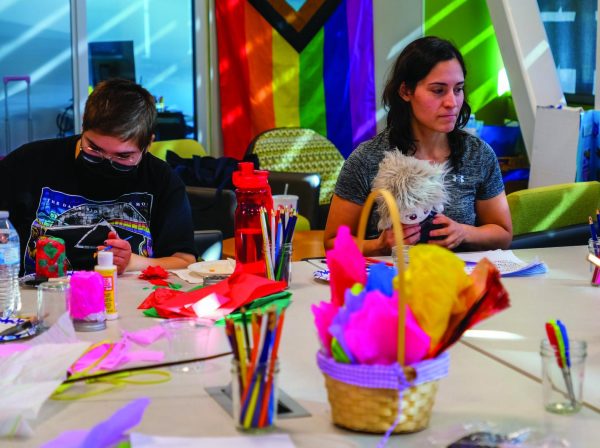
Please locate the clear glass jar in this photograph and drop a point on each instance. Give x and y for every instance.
(594, 247)
(282, 263)
(52, 302)
(405, 250)
(563, 387)
(254, 405)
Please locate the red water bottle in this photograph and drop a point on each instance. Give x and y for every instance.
(252, 193)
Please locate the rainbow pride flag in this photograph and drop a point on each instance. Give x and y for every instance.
(296, 63)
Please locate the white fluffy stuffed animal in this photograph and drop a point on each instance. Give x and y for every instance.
(418, 186)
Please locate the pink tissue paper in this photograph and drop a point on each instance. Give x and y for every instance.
(87, 294)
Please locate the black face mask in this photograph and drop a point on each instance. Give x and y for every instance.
(104, 169)
(96, 177)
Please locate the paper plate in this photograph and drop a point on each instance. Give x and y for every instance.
(5, 324)
(321, 274)
(217, 267)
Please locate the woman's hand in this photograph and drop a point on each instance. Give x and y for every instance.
(411, 232)
(121, 250)
(452, 232)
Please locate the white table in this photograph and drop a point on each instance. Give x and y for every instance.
(477, 388)
(563, 293)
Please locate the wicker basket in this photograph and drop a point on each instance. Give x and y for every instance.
(365, 398)
(377, 398)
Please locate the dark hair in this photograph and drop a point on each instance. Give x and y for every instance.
(123, 109)
(414, 63)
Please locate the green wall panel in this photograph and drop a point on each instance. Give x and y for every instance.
(468, 25)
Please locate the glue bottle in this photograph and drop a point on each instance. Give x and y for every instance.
(108, 271)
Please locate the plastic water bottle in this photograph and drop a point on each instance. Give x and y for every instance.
(10, 296)
(252, 193)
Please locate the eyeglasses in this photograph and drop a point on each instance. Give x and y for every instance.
(120, 162)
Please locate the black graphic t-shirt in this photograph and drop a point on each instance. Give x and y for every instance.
(50, 192)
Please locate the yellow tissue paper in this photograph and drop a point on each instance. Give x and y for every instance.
(434, 281)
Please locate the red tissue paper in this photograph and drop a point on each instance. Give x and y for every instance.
(155, 275)
(153, 272)
(239, 289)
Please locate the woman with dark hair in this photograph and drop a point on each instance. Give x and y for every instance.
(427, 110)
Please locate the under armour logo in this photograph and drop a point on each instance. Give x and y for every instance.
(458, 178)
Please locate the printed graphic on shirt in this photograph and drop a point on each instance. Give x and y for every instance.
(84, 225)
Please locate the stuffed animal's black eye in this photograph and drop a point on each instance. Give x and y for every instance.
(412, 217)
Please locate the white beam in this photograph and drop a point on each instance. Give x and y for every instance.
(206, 87)
(79, 65)
(528, 60)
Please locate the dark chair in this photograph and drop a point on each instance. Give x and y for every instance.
(171, 126)
(574, 235)
(307, 186)
(212, 209)
(209, 244)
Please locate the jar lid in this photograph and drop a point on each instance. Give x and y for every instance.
(89, 325)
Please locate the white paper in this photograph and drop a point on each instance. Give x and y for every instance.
(506, 262)
(188, 276)
(62, 332)
(209, 305)
(216, 267)
(29, 377)
(253, 441)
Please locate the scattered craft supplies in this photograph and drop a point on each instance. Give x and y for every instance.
(228, 295)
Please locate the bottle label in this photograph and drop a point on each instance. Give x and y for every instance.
(9, 254)
(108, 278)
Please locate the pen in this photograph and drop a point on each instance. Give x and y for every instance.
(110, 247)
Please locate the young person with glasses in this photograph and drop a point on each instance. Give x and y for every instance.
(101, 188)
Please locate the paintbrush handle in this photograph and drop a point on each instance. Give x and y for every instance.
(569, 383)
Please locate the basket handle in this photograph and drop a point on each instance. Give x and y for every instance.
(399, 237)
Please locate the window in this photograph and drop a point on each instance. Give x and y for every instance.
(571, 29)
(159, 34)
(35, 41)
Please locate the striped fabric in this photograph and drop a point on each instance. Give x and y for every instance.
(322, 80)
